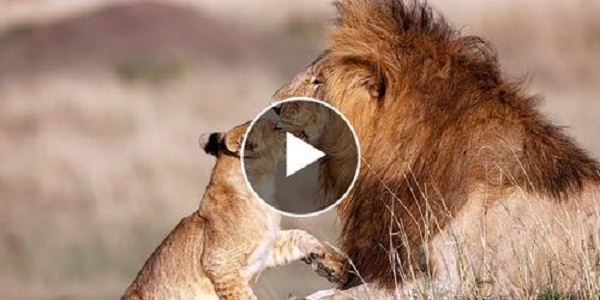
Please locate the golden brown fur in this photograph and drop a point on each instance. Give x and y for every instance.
(219, 251)
(443, 134)
(177, 255)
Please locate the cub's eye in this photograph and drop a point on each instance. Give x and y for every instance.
(315, 80)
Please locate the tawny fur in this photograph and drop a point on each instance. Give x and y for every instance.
(463, 181)
(219, 251)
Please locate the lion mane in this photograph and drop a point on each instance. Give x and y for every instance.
(436, 120)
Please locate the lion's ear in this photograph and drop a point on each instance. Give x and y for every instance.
(375, 82)
(370, 74)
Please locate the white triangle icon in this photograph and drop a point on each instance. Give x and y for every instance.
(299, 154)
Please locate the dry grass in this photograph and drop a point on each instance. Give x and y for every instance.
(98, 127)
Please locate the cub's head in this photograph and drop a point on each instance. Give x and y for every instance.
(263, 154)
(224, 143)
(262, 149)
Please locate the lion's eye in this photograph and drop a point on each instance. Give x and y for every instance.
(315, 80)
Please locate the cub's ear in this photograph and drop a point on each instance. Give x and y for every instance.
(234, 139)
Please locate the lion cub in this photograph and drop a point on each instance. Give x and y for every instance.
(219, 251)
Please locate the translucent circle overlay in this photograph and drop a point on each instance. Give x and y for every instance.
(315, 188)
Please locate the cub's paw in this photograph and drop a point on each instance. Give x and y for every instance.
(326, 261)
(329, 264)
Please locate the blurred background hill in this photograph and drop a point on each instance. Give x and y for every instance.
(101, 103)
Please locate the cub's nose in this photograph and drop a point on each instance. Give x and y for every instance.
(209, 142)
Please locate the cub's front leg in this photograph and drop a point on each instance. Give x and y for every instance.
(292, 245)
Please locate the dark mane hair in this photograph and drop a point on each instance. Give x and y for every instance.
(393, 34)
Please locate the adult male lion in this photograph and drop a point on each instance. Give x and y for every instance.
(466, 188)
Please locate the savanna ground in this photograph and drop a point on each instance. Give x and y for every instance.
(101, 104)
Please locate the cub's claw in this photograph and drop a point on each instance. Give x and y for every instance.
(326, 261)
(312, 257)
(330, 265)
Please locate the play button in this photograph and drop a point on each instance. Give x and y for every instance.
(300, 156)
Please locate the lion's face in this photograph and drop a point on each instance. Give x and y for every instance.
(350, 86)
(306, 120)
